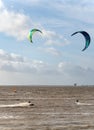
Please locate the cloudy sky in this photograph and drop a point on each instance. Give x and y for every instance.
(54, 57)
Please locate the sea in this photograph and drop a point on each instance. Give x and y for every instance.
(46, 107)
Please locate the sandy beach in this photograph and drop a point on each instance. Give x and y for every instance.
(52, 108)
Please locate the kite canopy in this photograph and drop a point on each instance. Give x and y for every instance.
(31, 34)
(87, 38)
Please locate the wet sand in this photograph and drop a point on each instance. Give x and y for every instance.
(52, 108)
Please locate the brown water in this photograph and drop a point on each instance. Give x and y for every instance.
(54, 108)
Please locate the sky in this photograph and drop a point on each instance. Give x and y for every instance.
(55, 57)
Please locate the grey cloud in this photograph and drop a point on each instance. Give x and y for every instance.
(76, 73)
(17, 63)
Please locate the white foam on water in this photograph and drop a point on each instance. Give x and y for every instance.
(9, 117)
(24, 104)
(86, 104)
(54, 113)
(33, 98)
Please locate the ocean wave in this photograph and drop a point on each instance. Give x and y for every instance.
(24, 104)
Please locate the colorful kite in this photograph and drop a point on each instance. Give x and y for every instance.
(87, 38)
(31, 34)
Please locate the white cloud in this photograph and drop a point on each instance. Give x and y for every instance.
(66, 10)
(14, 24)
(29, 1)
(50, 50)
(76, 11)
(76, 73)
(1, 5)
(17, 63)
(18, 25)
(53, 38)
(15, 69)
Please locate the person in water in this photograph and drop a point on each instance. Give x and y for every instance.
(77, 100)
(31, 104)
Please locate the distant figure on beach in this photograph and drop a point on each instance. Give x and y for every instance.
(75, 84)
(14, 90)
